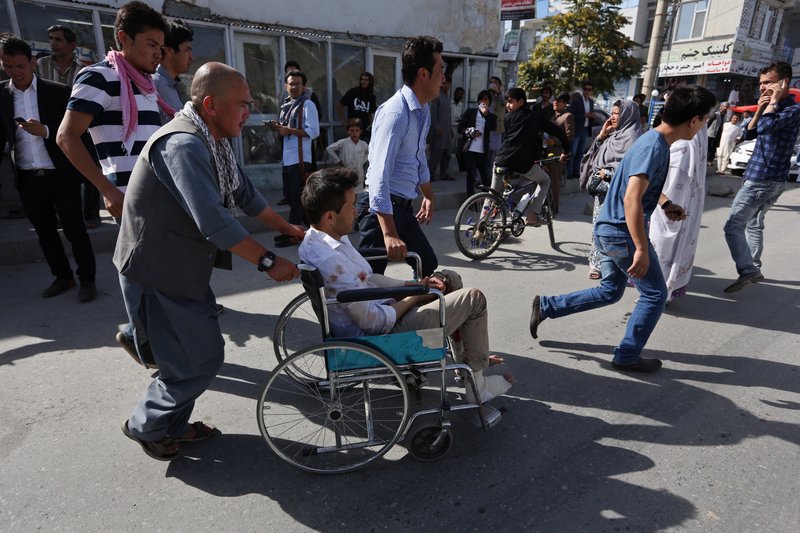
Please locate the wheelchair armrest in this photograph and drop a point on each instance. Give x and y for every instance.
(380, 293)
(372, 252)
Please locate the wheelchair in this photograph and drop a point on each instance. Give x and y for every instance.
(337, 405)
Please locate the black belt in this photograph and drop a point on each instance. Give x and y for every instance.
(38, 172)
(399, 201)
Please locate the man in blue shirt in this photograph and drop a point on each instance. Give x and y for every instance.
(621, 232)
(774, 126)
(176, 61)
(398, 169)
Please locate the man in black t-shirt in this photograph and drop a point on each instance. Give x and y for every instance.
(359, 102)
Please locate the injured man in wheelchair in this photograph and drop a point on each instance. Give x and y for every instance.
(329, 202)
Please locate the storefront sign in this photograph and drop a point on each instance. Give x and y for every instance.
(517, 9)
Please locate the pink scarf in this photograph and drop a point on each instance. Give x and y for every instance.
(127, 100)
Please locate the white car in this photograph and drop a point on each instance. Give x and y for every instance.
(744, 150)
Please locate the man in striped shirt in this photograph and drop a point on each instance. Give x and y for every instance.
(119, 121)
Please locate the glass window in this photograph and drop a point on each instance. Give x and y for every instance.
(386, 84)
(5, 19)
(348, 63)
(313, 59)
(691, 20)
(478, 78)
(765, 18)
(34, 19)
(107, 28)
(208, 44)
(257, 59)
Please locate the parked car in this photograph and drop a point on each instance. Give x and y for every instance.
(744, 150)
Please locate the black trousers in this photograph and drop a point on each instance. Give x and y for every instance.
(480, 163)
(293, 184)
(44, 196)
(91, 201)
(407, 228)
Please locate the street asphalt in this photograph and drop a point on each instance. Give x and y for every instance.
(708, 444)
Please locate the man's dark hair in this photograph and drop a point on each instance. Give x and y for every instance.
(136, 17)
(418, 53)
(548, 88)
(16, 47)
(325, 190)
(783, 69)
(177, 34)
(495, 78)
(485, 93)
(588, 84)
(686, 103)
(294, 65)
(69, 35)
(516, 93)
(563, 97)
(640, 96)
(458, 89)
(297, 73)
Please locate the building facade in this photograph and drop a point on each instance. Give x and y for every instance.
(333, 42)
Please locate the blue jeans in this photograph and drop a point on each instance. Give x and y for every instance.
(744, 230)
(616, 258)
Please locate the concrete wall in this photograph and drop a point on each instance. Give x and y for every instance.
(469, 26)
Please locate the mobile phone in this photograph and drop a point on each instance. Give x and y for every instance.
(20, 120)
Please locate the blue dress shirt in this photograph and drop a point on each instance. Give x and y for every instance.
(397, 162)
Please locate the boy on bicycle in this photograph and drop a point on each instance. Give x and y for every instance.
(522, 146)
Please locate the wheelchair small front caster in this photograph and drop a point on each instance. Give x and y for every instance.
(429, 443)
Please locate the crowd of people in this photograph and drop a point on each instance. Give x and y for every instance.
(161, 158)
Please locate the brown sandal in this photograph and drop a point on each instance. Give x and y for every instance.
(165, 449)
(200, 432)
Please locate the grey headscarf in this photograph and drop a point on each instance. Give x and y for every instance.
(608, 153)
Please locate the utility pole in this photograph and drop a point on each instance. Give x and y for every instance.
(656, 44)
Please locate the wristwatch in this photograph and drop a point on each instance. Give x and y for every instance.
(666, 204)
(266, 261)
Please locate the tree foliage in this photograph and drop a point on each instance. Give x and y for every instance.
(584, 43)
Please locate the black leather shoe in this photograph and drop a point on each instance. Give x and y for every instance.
(644, 364)
(129, 346)
(744, 280)
(536, 317)
(58, 286)
(87, 291)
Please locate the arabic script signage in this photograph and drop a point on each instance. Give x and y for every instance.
(517, 9)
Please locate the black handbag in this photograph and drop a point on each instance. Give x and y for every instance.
(598, 185)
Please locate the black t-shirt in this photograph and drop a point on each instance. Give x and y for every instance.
(522, 144)
(359, 105)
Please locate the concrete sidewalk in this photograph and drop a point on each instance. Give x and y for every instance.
(19, 244)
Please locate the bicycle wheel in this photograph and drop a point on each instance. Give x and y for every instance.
(340, 425)
(297, 328)
(547, 215)
(480, 224)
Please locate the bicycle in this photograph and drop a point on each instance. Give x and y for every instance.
(486, 218)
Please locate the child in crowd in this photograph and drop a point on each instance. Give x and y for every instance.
(352, 152)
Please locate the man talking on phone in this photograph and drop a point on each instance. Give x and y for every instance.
(774, 126)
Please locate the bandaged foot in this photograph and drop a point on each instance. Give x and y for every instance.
(489, 387)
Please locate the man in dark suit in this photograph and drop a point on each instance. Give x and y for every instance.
(582, 108)
(31, 111)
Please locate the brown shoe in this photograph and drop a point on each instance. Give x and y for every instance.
(58, 286)
(147, 360)
(87, 292)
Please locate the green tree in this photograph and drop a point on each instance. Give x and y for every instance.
(583, 43)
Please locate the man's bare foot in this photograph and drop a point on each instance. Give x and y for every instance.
(496, 360)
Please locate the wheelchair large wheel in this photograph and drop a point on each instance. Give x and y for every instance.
(297, 328)
(480, 225)
(343, 422)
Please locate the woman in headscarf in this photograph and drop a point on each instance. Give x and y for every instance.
(676, 242)
(619, 132)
